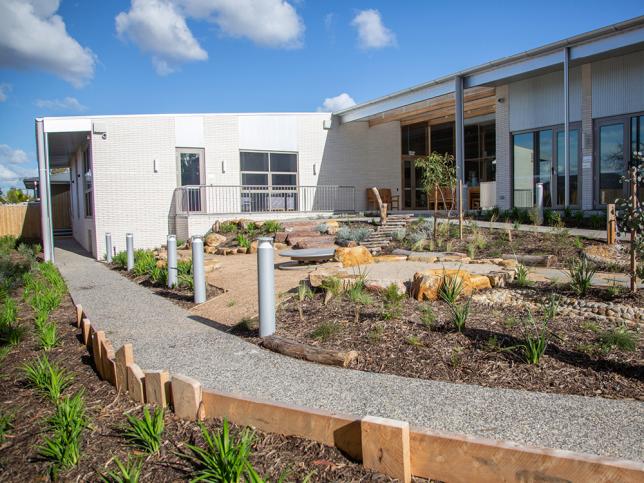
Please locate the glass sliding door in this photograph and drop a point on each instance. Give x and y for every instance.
(573, 175)
(191, 171)
(637, 147)
(523, 154)
(612, 163)
(543, 172)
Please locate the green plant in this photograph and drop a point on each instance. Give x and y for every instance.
(7, 243)
(375, 334)
(427, 316)
(492, 344)
(6, 424)
(326, 330)
(223, 459)
(437, 170)
(521, 276)
(614, 289)
(393, 299)
(159, 275)
(128, 472)
(144, 262)
(120, 260)
(67, 423)
(590, 326)
(471, 250)
(535, 341)
(332, 287)
(459, 315)
(450, 289)
(579, 245)
(11, 334)
(242, 241)
(46, 301)
(303, 292)
(551, 307)
(272, 226)
(581, 275)
(414, 341)
(9, 312)
(346, 234)
(50, 379)
(48, 336)
(552, 218)
(227, 227)
(145, 433)
(455, 357)
(621, 338)
(359, 297)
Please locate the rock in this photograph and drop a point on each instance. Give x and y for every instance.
(353, 256)
(216, 226)
(280, 246)
(454, 258)
(500, 278)
(162, 263)
(508, 263)
(390, 258)
(253, 247)
(244, 223)
(332, 227)
(346, 243)
(422, 258)
(281, 236)
(210, 250)
(214, 239)
(312, 242)
(211, 264)
(426, 284)
(382, 285)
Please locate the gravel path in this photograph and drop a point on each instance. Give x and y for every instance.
(166, 336)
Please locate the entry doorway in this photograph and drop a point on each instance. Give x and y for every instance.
(191, 174)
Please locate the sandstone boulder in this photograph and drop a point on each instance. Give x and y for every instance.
(353, 256)
(380, 286)
(426, 284)
(500, 278)
(390, 258)
(332, 227)
(162, 263)
(253, 247)
(214, 239)
(317, 277)
(509, 263)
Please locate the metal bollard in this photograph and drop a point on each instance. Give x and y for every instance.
(539, 202)
(172, 261)
(129, 244)
(198, 273)
(108, 247)
(266, 286)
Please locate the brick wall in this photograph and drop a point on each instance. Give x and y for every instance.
(587, 182)
(503, 156)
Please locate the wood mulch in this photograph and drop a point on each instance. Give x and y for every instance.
(486, 353)
(273, 455)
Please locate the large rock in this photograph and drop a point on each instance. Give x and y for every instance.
(214, 239)
(426, 284)
(353, 256)
(318, 276)
(380, 286)
(500, 278)
(390, 258)
(332, 227)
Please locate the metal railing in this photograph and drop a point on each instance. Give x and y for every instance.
(233, 199)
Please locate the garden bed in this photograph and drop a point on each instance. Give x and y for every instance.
(421, 341)
(24, 411)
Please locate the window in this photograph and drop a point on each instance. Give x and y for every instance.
(191, 175)
(443, 139)
(414, 139)
(87, 184)
(480, 153)
(269, 181)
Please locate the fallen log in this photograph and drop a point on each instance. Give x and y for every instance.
(292, 348)
(533, 260)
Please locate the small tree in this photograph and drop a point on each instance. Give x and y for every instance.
(438, 170)
(630, 219)
(16, 195)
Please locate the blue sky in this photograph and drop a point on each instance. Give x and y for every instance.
(153, 56)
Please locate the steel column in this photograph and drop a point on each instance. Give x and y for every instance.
(566, 53)
(459, 132)
(266, 286)
(172, 261)
(108, 247)
(129, 246)
(198, 271)
(45, 192)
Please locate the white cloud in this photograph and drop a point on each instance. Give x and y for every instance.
(372, 33)
(157, 27)
(32, 36)
(66, 104)
(271, 23)
(12, 174)
(5, 89)
(9, 155)
(337, 103)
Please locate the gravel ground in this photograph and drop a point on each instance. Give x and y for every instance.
(167, 336)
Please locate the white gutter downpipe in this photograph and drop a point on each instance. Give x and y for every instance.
(566, 66)
(459, 133)
(45, 192)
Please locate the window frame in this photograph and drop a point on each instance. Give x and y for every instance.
(269, 173)
(88, 193)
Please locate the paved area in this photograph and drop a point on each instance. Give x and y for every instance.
(166, 336)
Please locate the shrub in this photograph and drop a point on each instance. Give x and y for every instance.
(326, 330)
(223, 459)
(272, 226)
(48, 336)
(62, 448)
(49, 379)
(7, 243)
(322, 228)
(427, 316)
(128, 472)
(551, 307)
(621, 338)
(581, 275)
(393, 299)
(414, 341)
(536, 341)
(120, 260)
(459, 315)
(242, 241)
(356, 234)
(145, 433)
(399, 235)
(9, 312)
(144, 262)
(303, 292)
(450, 289)
(226, 227)
(359, 297)
(552, 218)
(416, 240)
(332, 287)
(159, 275)
(521, 276)
(6, 424)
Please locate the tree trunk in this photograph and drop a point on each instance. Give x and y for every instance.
(533, 260)
(303, 351)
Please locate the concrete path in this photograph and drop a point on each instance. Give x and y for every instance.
(166, 336)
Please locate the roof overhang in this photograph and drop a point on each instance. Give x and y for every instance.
(608, 41)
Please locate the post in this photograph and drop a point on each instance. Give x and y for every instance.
(460, 130)
(539, 202)
(129, 246)
(566, 86)
(108, 247)
(435, 209)
(611, 224)
(266, 286)
(633, 176)
(172, 261)
(198, 272)
(460, 208)
(45, 195)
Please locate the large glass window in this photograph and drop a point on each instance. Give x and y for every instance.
(544, 167)
(612, 165)
(442, 139)
(637, 147)
(414, 139)
(573, 174)
(523, 154)
(480, 150)
(269, 181)
(87, 184)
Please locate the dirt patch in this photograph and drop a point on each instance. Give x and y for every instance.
(273, 455)
(486, 353)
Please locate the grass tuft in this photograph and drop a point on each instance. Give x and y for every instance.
(49, 379)
(128, 472)
(145, 433)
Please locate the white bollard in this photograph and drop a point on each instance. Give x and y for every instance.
(108, 247)
(129, 245)
(172, 261)
(539, 202)
(266, 286)
(198, 271)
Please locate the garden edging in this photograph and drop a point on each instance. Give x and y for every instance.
(383, 445)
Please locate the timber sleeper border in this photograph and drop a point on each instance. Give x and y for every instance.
(387, 446)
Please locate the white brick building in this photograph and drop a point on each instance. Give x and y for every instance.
(507, 122)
